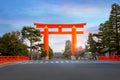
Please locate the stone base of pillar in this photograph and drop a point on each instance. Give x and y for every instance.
(73, 58)
(47, 58)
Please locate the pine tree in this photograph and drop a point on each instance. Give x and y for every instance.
(91, 43)
(107, 36)
(11, 44)
(115, 21)
(33, 35)
(109, 32)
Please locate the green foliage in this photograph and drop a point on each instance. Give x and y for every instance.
(66, 56)
(92, 43)
(115, 22)
(67, 52)
(109, 32)
(43, 52)
(11, 44)
(50, 52)
(33, 35)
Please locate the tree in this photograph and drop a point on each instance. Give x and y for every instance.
(115, 20)
(67, 50)
(43, 52)
(68, 47)
(11, 44)
(32, 34)
(107, 36)
(109, 32)
(92, 45)
(50, 52)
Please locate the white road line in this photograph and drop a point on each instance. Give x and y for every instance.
(77, 61)
(56, 61)
(36, 62)
(30, 62)
(67, 61)
(72, 61)
(41, 61)
(61, 61)
(46, 61)
(24, 62)
(51, 62)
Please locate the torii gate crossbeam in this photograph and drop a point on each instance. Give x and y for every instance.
(46, 33)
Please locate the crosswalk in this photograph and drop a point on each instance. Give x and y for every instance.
(67, 62)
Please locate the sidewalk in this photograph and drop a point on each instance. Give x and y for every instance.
(9, 63)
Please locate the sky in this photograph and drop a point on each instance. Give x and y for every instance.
(14, 14)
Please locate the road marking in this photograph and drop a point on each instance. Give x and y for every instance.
(46, 62)
(51, 62)
(41, 61)
(36, 62)
(67, 62)
(56, 61)
(71, 61)
(61, 61)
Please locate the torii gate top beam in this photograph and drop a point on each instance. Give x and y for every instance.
(41, 25)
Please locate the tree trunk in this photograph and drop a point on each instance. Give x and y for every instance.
(30, 55)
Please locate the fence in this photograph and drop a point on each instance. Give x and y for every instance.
(112, 58)
(4, 59)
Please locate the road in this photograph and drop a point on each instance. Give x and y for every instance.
(61, 70)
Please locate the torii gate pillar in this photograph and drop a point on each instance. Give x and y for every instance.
(73, 42)
(46, 42)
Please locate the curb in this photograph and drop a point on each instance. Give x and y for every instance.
(10, 63)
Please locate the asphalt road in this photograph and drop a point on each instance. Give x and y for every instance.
(35, 70)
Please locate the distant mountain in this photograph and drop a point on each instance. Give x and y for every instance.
(57, 55)
(57, 52)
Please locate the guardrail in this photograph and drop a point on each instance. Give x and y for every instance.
(4, 59)
(112, 58)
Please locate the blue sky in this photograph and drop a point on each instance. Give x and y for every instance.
(14, 14)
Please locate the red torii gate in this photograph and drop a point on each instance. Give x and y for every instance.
(60, 26)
